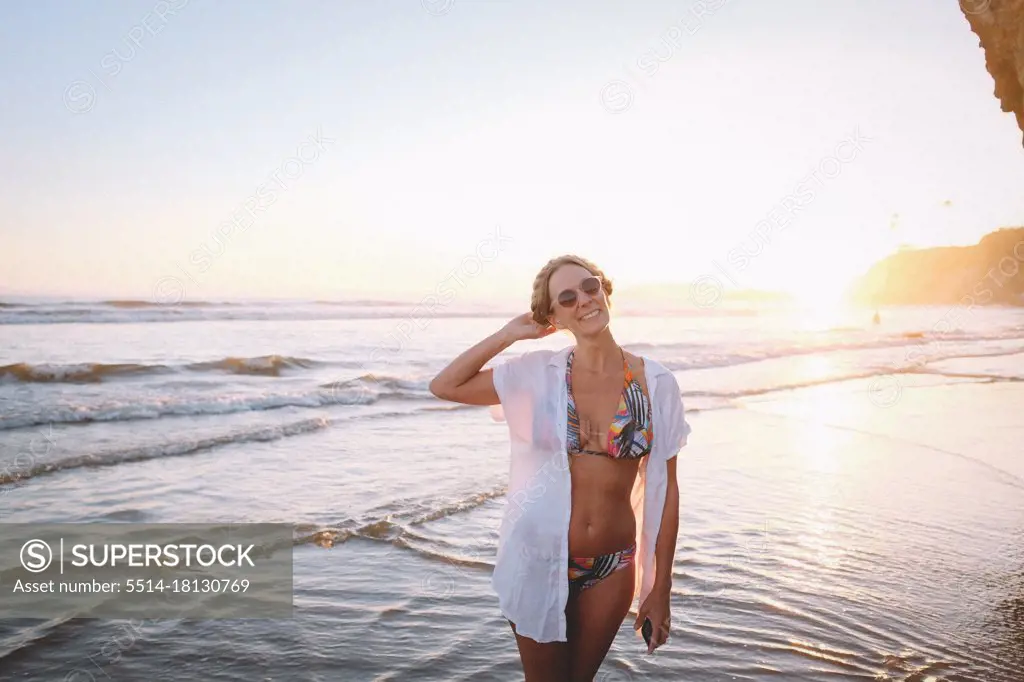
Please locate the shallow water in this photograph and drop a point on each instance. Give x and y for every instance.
(851, 495)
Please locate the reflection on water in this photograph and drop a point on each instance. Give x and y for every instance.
(820, 444)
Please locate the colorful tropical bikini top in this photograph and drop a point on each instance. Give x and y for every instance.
(631, 433)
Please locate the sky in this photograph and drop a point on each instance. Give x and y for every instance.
(330, 150)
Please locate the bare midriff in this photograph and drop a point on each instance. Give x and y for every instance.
(602, 518)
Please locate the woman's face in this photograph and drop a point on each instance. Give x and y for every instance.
(589, 313)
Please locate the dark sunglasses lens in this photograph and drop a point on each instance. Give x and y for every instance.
(567, 298)
(591, 285)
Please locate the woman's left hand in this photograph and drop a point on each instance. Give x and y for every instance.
(657, 608)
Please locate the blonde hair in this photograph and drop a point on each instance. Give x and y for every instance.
(540, 302)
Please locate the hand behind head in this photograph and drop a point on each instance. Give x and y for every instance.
(523, 327)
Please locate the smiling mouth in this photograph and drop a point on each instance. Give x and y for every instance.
(592, 313)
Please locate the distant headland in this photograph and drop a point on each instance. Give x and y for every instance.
(989, 272)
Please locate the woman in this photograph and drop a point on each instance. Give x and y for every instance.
(593, 505)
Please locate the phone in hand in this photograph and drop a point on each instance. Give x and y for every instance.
(647, 630)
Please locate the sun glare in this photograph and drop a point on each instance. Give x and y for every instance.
(821, 308)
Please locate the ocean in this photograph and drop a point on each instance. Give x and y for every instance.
(852, 494)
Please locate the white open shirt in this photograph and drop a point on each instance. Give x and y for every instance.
(531, 570)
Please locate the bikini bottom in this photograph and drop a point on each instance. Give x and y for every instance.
(585, 572)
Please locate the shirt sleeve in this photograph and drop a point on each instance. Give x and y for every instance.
(678, 427)
(514, 382)
(510, 378)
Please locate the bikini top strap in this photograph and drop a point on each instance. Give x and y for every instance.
(625, 364)
(568, 373)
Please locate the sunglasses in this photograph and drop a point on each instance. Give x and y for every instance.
(589, 285)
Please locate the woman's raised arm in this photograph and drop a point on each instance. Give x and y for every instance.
(463, 382)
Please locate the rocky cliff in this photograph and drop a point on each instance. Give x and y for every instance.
(1000, 26)
(991, 271)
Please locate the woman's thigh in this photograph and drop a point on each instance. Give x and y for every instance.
(547, 662)
(594, 617)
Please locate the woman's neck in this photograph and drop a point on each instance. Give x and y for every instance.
(599, 354)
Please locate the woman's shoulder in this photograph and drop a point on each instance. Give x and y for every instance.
(654, 371)
(537, 358)
(651, 366)
(531, 367)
